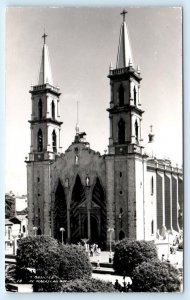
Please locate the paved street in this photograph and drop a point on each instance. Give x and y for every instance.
(173, 258)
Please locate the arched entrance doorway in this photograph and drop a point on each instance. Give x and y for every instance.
(78, 196)
(94, 228)
(99, 199)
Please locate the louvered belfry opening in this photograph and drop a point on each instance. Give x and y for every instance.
(78, 197)
(60, 213)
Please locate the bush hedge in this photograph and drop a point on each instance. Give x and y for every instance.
(155, 277)
(74, 263)
(10, 274)
(52, 284)
(41, 253)
(75, 286)
(130, 253)
(50, 258)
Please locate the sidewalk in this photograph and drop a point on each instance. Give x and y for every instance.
(175, 259)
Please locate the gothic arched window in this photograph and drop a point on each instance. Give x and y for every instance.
(54, 141)
(136, 131)
(121, 95)
(135, 95)
(53, 110)
(121, 132)
(121, 235)
(152, 185)
(40, 109)
(40, 141)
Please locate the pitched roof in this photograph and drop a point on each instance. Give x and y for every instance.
(8, 222)
(15, 220)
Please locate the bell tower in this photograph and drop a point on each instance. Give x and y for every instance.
(125, 111)
(45, 126)
(125, 162)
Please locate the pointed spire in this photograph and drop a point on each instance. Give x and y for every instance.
(77, 124)
(45, 75)
(124, 55)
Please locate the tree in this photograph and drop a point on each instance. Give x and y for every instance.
(50, 259)
(74, 263)
(155, 277)
(41, 253)
(129, 254)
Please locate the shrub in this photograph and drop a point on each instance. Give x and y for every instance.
(50, 258)
(88, 285)
(74, 263)
(129, 253)
(41, 253)
(78, 285)
(10, 274)
(155, 277)
(53, 284)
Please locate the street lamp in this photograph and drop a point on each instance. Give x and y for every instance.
(62, 232)
(35, 229)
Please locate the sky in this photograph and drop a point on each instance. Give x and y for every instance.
(82, 42)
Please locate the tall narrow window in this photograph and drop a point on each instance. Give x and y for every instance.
(135, 95)
(40, 109)
(152, 227)
(40, 141)
(53, 110)
(121, 95)
(152, 185)
(121, 132)
(136, 131)
(54, 141)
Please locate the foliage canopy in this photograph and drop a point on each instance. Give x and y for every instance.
(155, 277)
(130, 253)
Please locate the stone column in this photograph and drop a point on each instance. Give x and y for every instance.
(175, 224)
(89, 229)
(168, 202)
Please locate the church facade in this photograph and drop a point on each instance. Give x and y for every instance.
(122, 194)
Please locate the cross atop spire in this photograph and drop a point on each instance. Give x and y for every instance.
(44, 36)
(123, 13)
(124, 56)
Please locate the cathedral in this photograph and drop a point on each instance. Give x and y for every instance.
(81, 194)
